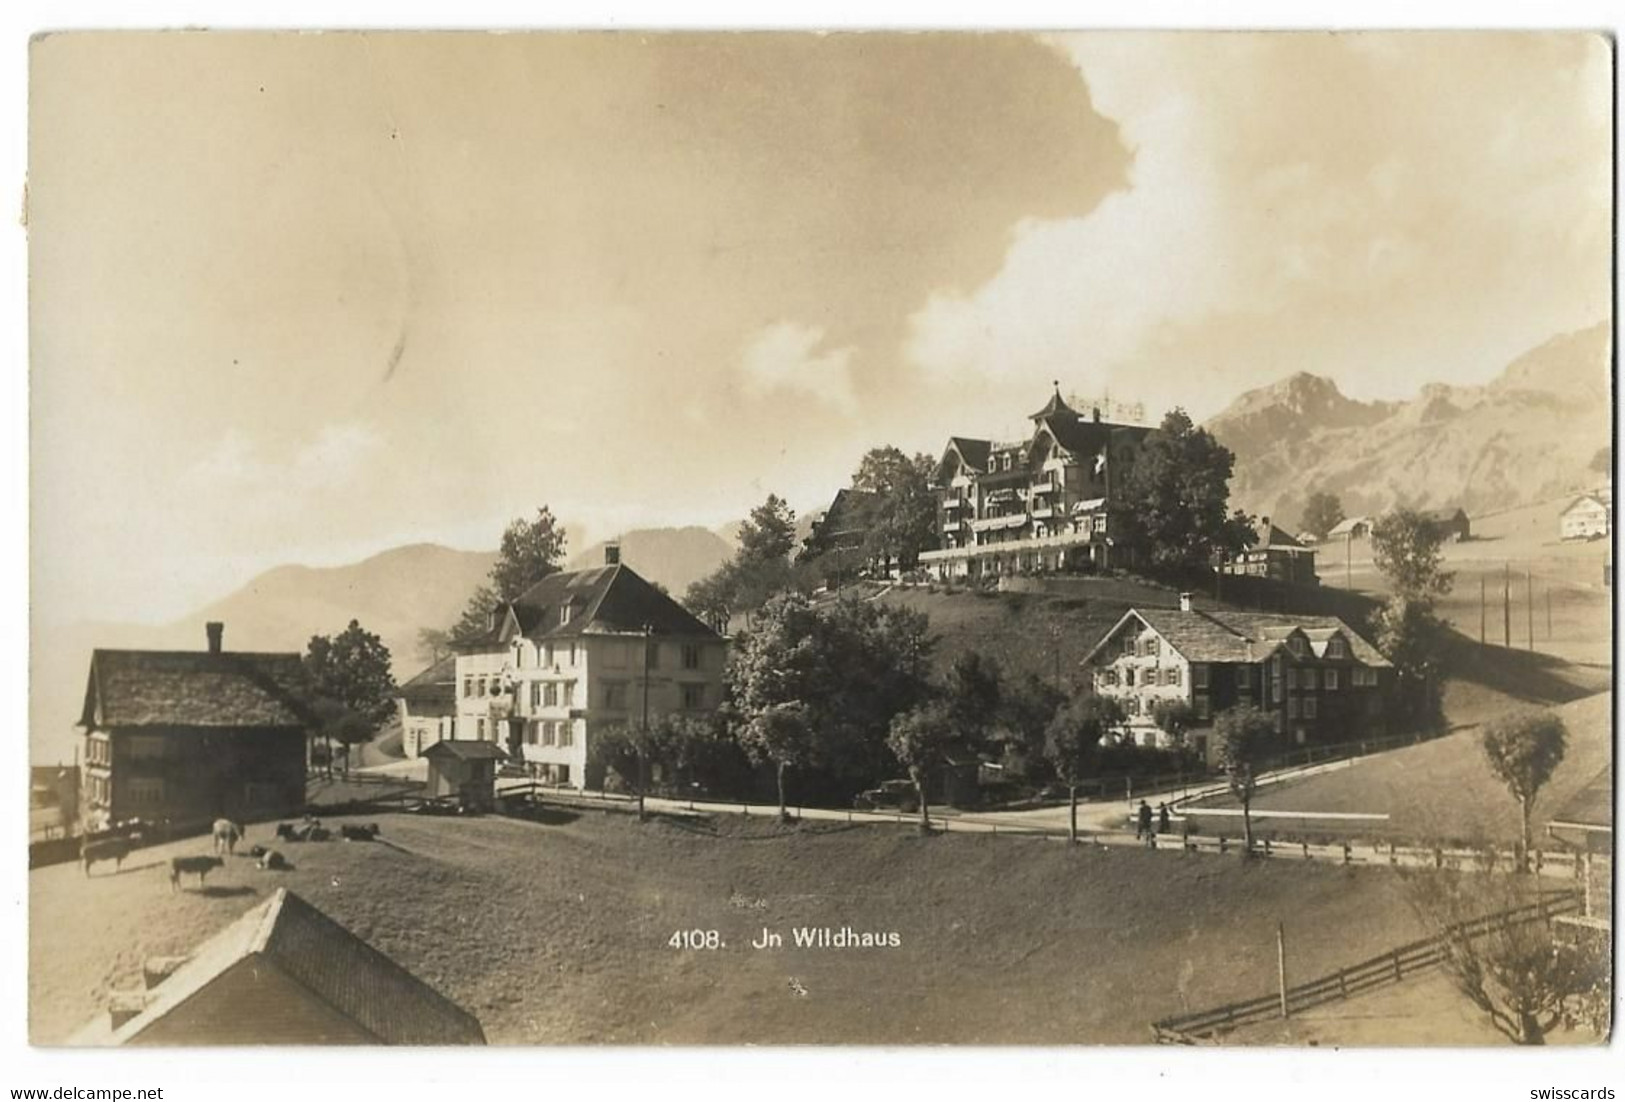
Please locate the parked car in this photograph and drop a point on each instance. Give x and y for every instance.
(890, 796)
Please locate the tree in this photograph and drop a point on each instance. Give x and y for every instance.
(1322, 513)
(973, 694)
(1245, 737)
(1070, 743)
(903, 513)
(1525, 980)
(769, 534)
(920, 737)
(1025, 714)
(476, 618)
(530, 551)
(433, 644)
(1176, 717)
(711, 598)
(1523, 751)
(350, 675)
(1413, 638)
(1406, 547)
(820, 685)
(1176, 496)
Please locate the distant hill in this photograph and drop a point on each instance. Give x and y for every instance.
(394, 594)
(1530, 434)
(673, 557)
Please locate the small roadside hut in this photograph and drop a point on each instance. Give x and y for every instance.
(466, 769)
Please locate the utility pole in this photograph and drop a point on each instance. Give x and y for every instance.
(1548, 612)
(1506, 603)
(1529, 582)
(643, 740)
(1280, 963)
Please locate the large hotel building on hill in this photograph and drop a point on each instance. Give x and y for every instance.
(1034, 505)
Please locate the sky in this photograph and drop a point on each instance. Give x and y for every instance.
(301, 298)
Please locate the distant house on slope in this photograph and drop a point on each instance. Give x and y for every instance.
(1278, 554)
(284, 974)
(191, 736)
(427, 705)
(1452, 524)
(839, 535)
(1587, 517)
(1350, 528)
(1318, 679)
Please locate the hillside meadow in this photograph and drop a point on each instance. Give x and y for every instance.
(558, 933)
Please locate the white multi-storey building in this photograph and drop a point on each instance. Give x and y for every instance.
(579, 653)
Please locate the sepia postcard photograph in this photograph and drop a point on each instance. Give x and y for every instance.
(838, 538)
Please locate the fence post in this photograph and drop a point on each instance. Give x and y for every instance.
(1306, 856)
(1224, 844)
(1348, 853)
(1399, 973)
(1438, 857)
(1540, 861)
(1267, 850)
(1393, 853)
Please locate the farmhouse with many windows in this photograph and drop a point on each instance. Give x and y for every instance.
(1321, 681)
(573, 657)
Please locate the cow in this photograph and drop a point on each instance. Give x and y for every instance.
(107, 849)
(359, 833)
(226, 835)
(179, 866)
(287, 832)
(273, 859)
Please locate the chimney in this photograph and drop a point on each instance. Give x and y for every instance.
(612, 553)
(1096, 412)
(216, 632)
(1184, 602)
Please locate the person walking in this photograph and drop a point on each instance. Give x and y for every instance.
(1164, 820)
(1144, 823)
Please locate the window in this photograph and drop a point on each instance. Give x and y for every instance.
(567, 738)
(145, 791)
(1331, 680)
(1337, 648)
(569, 694)
(564, 618)
(1242, 681)
(1277, 693)
(547, 654)
(1311, 708)
(468, 686)
(691, 656)
(144, 747)
(1295, 645)
(1133, 705)
(1292, 708)
(1364, 676)
(536, 693)
(615, 694)
(694, 695)
(1174, 676)
(1204, 708)
(550, 696)
(573, 658)
(548, 736)
(482, 686)
(1292, 678)
(1151, 647)
(1309, 680)
(1128, 675)
(479, 729)
(533, 732)
(1199, 674)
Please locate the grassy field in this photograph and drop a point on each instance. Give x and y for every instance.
(1443, 789)
(557, 933)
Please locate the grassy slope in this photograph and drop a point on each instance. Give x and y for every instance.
(557, 933)
(1444, 789)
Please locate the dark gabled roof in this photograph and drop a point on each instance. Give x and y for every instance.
(143, 688)
(1444, 515)
(1279, 539)
(467, 750)
(975, 453)
(1224, 636)
(602, 600)
(1591, 808)
(434, 691)
(848, 512)
(305, 946)
(1087, 439)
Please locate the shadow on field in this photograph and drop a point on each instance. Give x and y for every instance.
(122, 869)
(1528, 676)
(215, 892)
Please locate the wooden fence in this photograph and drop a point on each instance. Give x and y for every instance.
(1379, 971)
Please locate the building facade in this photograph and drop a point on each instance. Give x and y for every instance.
(1587, 517)
(1320, 680)
(193, 736)
(580, 653)
(1035, 505)
(1279, 555)
(427, 707)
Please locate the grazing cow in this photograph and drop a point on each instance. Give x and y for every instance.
(359, 833)
(273, 859)
(201, 866)
(287, 832)
(108, 849)
(226, 836)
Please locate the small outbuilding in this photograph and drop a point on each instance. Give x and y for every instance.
(1451, 524)
(282, 974)
(1587, 517)
(465, 769)
(1353, 528)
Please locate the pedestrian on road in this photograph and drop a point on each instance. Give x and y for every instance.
(1144, 828)
(1164, 821)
